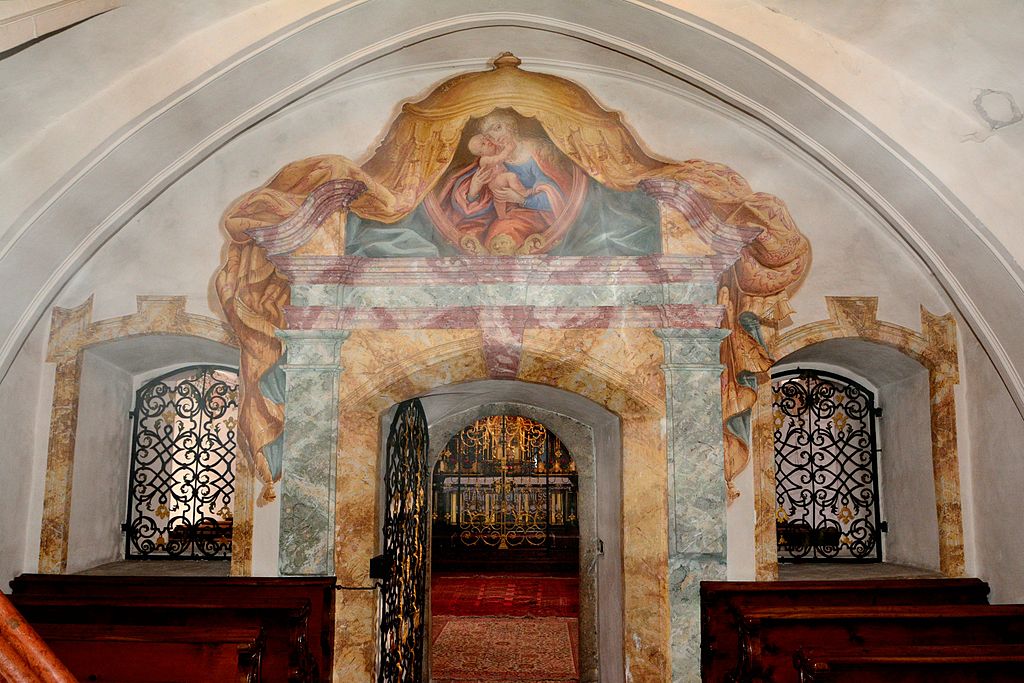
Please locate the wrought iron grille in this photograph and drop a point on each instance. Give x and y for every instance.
(182, 480)
(504, 481)
(403, 592)
(826, 468)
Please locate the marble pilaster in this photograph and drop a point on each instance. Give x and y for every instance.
(310, 452)
(696, 484)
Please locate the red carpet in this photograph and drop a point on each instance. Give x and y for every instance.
(504, 627)
(492, 649)
(515, 595)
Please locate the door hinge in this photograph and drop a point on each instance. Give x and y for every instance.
(883, 527)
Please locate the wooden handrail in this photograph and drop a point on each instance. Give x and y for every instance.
(24, 657)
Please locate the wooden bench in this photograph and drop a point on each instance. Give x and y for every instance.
(770, 637)
(157, 654)
(721, 602)
(912, 664)
(297, 615)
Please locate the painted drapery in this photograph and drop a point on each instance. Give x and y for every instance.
(417, 154)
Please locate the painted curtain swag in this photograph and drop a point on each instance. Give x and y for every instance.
(509, 162)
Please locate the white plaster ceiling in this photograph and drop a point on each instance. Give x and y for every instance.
(81, 107)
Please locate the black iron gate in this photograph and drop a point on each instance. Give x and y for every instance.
(182, 480)
(826, 468)
(403, 564)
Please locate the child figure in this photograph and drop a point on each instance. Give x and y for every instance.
(492, 162)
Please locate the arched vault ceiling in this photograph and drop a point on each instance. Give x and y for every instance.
(273, 53)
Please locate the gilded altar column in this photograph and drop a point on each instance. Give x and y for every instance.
(696, 483)
(310, 452)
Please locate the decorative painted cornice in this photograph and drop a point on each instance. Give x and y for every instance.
(474, 270)
(687, 316)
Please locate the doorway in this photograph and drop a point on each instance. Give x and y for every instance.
(505, 554)
(588, 432)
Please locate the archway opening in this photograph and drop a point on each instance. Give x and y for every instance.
(505, 548)
(592, 435)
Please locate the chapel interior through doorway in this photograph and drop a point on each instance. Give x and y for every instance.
(505, 552)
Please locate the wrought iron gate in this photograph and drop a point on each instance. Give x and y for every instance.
(181, 481)
(404, 559)
(504, 481)
(826, 468)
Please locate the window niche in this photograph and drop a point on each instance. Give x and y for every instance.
(99, 367)
(903, 439)
(913, 374)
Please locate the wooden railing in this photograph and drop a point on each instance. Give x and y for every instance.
(24, 657)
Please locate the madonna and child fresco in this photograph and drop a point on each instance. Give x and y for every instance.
(509, 191)
(508, 162)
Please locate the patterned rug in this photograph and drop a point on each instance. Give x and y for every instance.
(514, 595)
(492, 649)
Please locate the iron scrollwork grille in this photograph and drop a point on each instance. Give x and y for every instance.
(182, 480)
(406, 516)
(505, 481)
(826, 468)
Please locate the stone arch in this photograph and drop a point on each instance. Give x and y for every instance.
(72, 333)
(935, 348)
(446, 360)
(592, 434)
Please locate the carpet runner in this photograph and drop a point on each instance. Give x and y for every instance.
(505, 595)
(502, 628)
(492, 649)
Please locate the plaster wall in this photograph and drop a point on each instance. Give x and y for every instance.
(173, 246)
(913, 69)
(19, 400)
(102, 442)
(349, 116)
(905, 463)
(997, 475)
(740, 526)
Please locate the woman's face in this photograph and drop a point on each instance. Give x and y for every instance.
(497, 129)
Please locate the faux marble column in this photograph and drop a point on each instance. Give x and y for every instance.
(310, 452)
(696, 483)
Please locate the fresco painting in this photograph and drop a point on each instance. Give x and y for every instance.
(509, 191)
(508, 162)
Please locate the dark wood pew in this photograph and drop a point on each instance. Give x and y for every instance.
(721, 602)
(913, 664)
(770, 637)
(297, 614)
(157, 654)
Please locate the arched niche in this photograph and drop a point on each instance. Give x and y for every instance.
(903, 434)
(99, 366)
(592, 434)
(887, 355)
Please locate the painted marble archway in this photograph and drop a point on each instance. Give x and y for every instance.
(508, 227)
